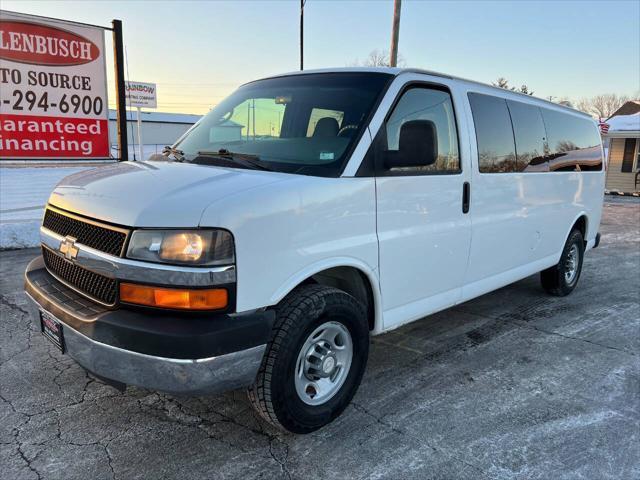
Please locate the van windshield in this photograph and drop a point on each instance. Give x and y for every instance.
(305, 124)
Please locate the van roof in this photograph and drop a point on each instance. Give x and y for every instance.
(395, 71)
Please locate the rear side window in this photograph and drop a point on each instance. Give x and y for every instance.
(574, 143)
(528, 129)
(494, 134)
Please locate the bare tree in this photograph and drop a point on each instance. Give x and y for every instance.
(502, 82)
(379, 58)
(566, 102)
(602, 106)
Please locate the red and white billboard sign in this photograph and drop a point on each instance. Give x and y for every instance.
(53, 89)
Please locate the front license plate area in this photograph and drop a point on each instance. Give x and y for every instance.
(52, 329)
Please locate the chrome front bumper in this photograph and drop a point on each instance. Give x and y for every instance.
(94, 338)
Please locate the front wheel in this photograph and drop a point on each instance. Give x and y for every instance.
(561, 279)
(315, 360)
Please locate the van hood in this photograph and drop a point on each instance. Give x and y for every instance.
(153, 194)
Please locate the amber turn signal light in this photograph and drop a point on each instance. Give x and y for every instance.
(209, 299)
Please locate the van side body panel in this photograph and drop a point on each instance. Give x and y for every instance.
(520, 221)
(295, 230)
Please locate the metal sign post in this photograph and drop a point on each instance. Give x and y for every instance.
(140, 95)
(118, 61)
(140, 136)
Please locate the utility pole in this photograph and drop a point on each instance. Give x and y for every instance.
(393, 56)
(302, 2)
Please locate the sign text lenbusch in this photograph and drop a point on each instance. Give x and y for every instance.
(141, 94)
(53, 89)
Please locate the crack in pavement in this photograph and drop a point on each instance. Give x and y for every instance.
(551, 332)
(203, 423)
(380, 420)
(524, 324)
(56, 410)
(23, 456)
(283, 463)
(13, 306)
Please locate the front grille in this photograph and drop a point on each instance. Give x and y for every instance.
(94, 236)
(96, 286)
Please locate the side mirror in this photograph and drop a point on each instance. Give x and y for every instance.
(417, 145)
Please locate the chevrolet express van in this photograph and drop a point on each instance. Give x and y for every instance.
(304, 214)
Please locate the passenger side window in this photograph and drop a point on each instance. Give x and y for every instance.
(494, 134)
(529, 132)
(423, 126)
(574, 142)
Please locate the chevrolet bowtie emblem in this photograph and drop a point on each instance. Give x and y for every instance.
(68, 248)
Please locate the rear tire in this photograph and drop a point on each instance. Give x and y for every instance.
(315, 359)
(561, 279)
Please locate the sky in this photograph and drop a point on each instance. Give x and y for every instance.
(199, 52)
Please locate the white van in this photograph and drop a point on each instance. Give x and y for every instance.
(304, 214)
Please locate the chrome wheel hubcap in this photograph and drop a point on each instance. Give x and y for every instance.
(571, 264)
(323, 363)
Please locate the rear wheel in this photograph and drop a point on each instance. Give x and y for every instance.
(315, 360)
(561, 279)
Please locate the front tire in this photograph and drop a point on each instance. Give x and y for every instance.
(315, 360)
(561, 279)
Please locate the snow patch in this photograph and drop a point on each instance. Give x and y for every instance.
(23, 195)
(624, 123)
(19, 235)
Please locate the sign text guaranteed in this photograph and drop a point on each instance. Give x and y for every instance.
(53, 95)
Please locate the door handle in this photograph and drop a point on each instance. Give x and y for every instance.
(466, 197)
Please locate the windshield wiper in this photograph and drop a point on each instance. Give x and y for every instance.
(244, 159)
(178, 154)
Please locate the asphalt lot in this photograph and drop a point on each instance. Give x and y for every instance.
(515, 384)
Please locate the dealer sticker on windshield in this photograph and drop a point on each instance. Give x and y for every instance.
(326, 155)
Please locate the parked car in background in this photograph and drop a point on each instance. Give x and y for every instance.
(347, 203)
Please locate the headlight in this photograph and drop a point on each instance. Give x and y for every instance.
(187, 247)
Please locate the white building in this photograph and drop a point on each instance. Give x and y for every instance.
(623, 172)
(158, 129)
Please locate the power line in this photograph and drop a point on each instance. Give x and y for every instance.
(191, 95)
(201, 84)
(183, 103)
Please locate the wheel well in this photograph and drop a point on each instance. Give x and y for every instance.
(352, 281)
(581, 225)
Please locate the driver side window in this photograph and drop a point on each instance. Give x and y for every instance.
(434, 108)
